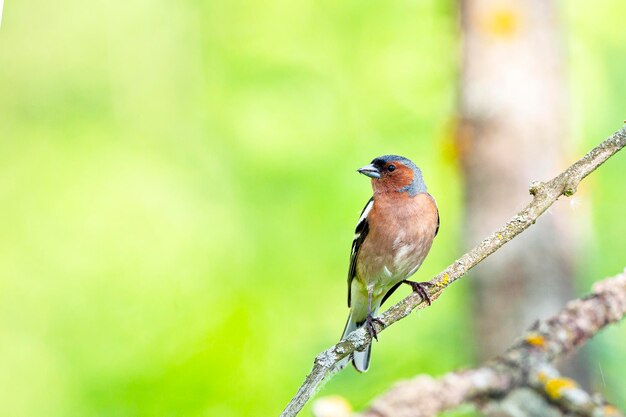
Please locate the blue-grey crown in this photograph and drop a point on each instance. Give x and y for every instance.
(418, 185)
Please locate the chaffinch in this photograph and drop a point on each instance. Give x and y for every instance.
(393, 236)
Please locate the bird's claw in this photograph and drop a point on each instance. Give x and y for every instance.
(371, 329)
(420, 289)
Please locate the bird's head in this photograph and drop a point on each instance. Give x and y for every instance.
(393, 173)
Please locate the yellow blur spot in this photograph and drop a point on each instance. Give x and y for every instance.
(536, 339)
(609, 410)
(503, 22)
(499, 236)
(554, 387)
(450, 142)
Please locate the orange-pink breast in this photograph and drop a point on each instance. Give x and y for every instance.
(401, 232)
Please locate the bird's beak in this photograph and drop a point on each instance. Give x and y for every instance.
(370, 171)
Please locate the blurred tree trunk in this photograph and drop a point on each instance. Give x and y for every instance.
(512, 128)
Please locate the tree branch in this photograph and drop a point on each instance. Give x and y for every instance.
(544, 195)
(527, 363)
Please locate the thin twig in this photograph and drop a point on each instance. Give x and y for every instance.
(526, 364)
(544, 195)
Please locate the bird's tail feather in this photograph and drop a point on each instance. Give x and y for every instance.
(360, 359)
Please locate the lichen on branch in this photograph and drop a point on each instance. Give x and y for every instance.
(528, 363)
(544, 194)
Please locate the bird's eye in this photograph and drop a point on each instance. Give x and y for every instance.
(391, 168)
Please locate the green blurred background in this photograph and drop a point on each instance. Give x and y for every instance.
(178, 195)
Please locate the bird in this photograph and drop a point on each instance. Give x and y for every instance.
(392, 238)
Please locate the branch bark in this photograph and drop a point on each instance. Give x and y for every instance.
(544, 195)
(527, 364)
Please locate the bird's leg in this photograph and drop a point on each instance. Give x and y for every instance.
(370, 320)
(420, 288)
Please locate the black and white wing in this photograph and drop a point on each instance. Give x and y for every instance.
(362, 229)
